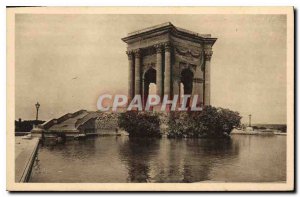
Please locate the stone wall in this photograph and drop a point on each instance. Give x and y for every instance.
(107, 121)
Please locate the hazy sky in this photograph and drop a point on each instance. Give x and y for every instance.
(66, 61)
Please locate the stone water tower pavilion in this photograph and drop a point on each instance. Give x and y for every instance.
(175, 59)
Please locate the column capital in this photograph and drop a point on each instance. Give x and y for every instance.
(158, 48)
(137, 53)
(167, 46)
(129, 54)
(207, 54)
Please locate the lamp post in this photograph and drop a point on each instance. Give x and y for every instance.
(250, 120)
(37, 105)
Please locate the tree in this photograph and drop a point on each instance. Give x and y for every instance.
(140, 124)
(210, 122)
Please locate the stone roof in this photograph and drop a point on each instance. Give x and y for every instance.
(167, 24)
(168, 27)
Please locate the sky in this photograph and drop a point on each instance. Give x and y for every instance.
(65, 62)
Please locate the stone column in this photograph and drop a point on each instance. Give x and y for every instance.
(167, 80)
(137, 63)
(208, 53)
(200, 101)
(130, 75)
(159, 71)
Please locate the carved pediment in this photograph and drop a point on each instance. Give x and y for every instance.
(189, 55)
(188, 52)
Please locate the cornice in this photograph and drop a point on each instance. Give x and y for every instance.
(168, 29)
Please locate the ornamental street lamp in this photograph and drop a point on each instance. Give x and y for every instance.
(37, 105)
(250, 120)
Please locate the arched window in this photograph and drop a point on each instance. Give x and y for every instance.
(186, 85)
(149, 84)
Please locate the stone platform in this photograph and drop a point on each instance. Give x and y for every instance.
(25, 151)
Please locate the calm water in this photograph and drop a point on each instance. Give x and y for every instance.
(120, 159)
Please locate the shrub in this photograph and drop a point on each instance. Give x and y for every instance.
(140, 124)
(211, 122)
(283, 128)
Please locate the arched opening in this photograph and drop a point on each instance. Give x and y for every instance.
(186, 85)
(149, 84)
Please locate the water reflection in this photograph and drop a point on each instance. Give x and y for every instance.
(137, 153)
(75, 150)
(120, 159)
(203, 155)
(175, 160)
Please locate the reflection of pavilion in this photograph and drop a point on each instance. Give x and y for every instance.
(164, 160)
(169, 56)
